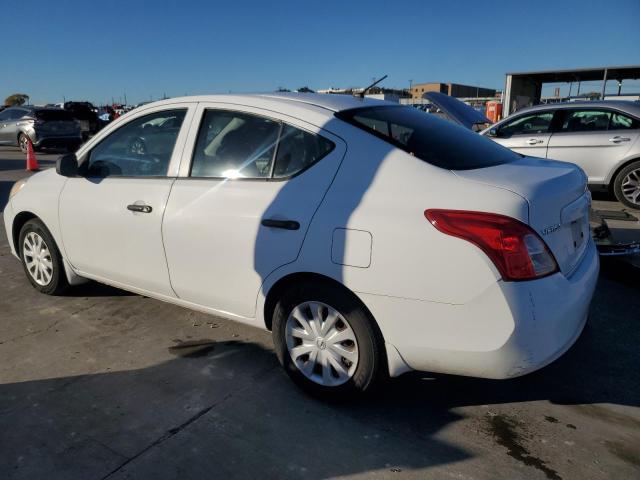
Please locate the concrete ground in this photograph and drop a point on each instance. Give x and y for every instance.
(101, 384)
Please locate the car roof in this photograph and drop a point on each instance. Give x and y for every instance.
(331, 102)
(632, 107)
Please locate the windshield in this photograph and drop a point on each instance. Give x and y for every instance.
(431, 139)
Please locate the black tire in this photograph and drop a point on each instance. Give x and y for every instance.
(618, 187)
(58, 281)
(371, 369)
(22, 142)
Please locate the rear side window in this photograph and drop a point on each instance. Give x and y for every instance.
(53, 115)
(585, 121)
(298, 150)
(13, 113)
(431, 139)
(241, 145)
(622, 122)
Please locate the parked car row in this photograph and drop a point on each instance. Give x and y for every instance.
(369, 238)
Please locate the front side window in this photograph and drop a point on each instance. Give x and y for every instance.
(534, 124)
(241, 145)
(141, 148)
(436, 141)
(585, 121)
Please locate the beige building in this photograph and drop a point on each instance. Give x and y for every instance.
(451, 89)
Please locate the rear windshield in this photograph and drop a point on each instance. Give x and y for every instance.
(431, 139)
(53, 115)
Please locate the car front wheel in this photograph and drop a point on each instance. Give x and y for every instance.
(327, 342)
(626, 186)
(41, 258)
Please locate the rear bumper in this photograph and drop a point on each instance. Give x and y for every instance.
(47, 141)
(511, 329)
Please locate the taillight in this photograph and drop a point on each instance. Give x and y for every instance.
(515, 249)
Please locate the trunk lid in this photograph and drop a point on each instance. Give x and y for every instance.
(457, 110)
(558, 200)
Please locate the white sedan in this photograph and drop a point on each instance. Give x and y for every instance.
(370, 238)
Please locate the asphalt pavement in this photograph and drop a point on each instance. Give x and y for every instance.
(101, 383)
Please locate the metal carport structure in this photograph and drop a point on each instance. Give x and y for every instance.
(525, 88)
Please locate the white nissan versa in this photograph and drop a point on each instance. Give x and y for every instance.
(370, 238)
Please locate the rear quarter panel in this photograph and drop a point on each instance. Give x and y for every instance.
(384, 191)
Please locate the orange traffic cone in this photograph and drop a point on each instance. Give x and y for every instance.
(32, 161)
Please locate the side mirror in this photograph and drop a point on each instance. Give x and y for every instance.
(67, 165)
(493, 132)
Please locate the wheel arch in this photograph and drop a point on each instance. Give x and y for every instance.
(618, 169)
(18, 222)
(277, 289)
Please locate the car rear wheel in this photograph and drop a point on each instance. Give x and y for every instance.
(626, 186)
(326, 341)
(23, 142)
(41, 259)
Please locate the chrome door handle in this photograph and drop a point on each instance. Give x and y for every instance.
(618, 139)
(534, 141)
(139, 208)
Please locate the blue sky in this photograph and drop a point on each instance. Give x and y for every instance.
(99, 50)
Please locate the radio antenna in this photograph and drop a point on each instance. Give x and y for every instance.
(361, 94)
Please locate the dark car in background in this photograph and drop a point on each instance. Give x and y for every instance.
(85, 114)
(45, 127)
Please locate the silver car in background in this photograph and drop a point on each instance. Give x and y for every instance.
(45, 127)
(602, 137)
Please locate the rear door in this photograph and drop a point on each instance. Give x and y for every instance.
(249, 185)
(527, 134)
(595, 139)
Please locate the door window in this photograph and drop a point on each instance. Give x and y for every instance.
(234, 145)
(141, 148)
(298, 150)
(533, 124)
(622, 122)
(241, 145)
(585, 121)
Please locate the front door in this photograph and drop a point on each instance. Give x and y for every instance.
(594, 139)
(527, 134)
(111, 215)
(243, 207)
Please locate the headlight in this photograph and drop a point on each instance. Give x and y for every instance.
(17, 187)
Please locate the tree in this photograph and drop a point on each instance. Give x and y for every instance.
(305, 90)
(16, 99)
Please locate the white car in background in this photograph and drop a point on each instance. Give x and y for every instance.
(370, 238)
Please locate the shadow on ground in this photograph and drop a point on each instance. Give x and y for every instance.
(227, 408)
